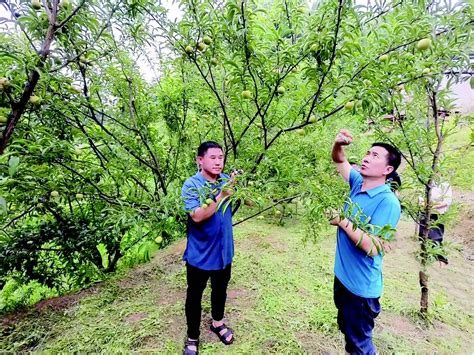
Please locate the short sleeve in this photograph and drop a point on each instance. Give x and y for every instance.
(448, 194)
(387, 213)
(190, 196)
(354, 178)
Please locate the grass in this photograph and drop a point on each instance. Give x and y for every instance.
(458, 148)
(279, 300)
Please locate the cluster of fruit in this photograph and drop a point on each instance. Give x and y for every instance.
(36, 4)
(422, 45)
(55, 194)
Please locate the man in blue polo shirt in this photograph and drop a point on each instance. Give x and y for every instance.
(210, 244)
(358, 262)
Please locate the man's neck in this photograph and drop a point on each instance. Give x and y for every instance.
(209, 177)
(371, 182)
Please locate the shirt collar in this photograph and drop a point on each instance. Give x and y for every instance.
(376, 190)
(203, 180)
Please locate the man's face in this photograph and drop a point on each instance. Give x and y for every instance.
(212, 162)
(375, 163)
(355, 167)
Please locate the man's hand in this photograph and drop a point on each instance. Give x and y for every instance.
(335, 221)
(386, 246)
(333, 217)
(344, 137)
(228, 188)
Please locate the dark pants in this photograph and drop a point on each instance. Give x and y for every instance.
(435, 234)
(355, 317)
(436, 231)
(197, 280)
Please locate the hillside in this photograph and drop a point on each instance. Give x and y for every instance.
(280, 300)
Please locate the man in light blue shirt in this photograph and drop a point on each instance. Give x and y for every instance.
(210, 245)
(374, 211)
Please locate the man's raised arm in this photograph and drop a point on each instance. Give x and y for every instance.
(343, 138)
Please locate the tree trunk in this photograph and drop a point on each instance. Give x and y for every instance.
(423, 276)
(424, 292)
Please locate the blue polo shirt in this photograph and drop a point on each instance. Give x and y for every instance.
(210, 243)
(359, 273)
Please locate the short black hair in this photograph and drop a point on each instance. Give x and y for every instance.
(394, 180)
(205, 146)
(394, 157)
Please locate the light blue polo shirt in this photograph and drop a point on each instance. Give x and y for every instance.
(210, 243)
(359, 273)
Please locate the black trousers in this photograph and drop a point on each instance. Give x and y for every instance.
(436, 232)
(197, 281)
(355, 317)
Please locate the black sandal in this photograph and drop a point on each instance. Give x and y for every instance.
(223, 337)
(188, 343)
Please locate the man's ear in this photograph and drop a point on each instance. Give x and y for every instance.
(388, 170)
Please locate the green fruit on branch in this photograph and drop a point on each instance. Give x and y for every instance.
(159, 240)
(260, 217)
(312, 119)
(4, 83)
(281, 90)
(35, 100)
(214, 61)
(349, 105)
(384, 58)
(367, 82)
(188, 49)
(54, 194)
(201, 47)
(64, 4)
(36, 4)
(79, 196)
(277, 212)
(44, 17)
(83, 59)
(427, 71)
(423, 44)
(246, 94)
(300, 131)
(207, 40)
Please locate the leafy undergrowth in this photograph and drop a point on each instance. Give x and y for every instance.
(279, 300)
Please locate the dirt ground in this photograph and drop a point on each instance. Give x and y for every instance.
(449, 280)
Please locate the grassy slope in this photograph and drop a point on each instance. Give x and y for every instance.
(280, 300)
(280, 297)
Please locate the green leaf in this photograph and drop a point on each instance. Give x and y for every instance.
(104, 255)
(12, 165)
(3, 205)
